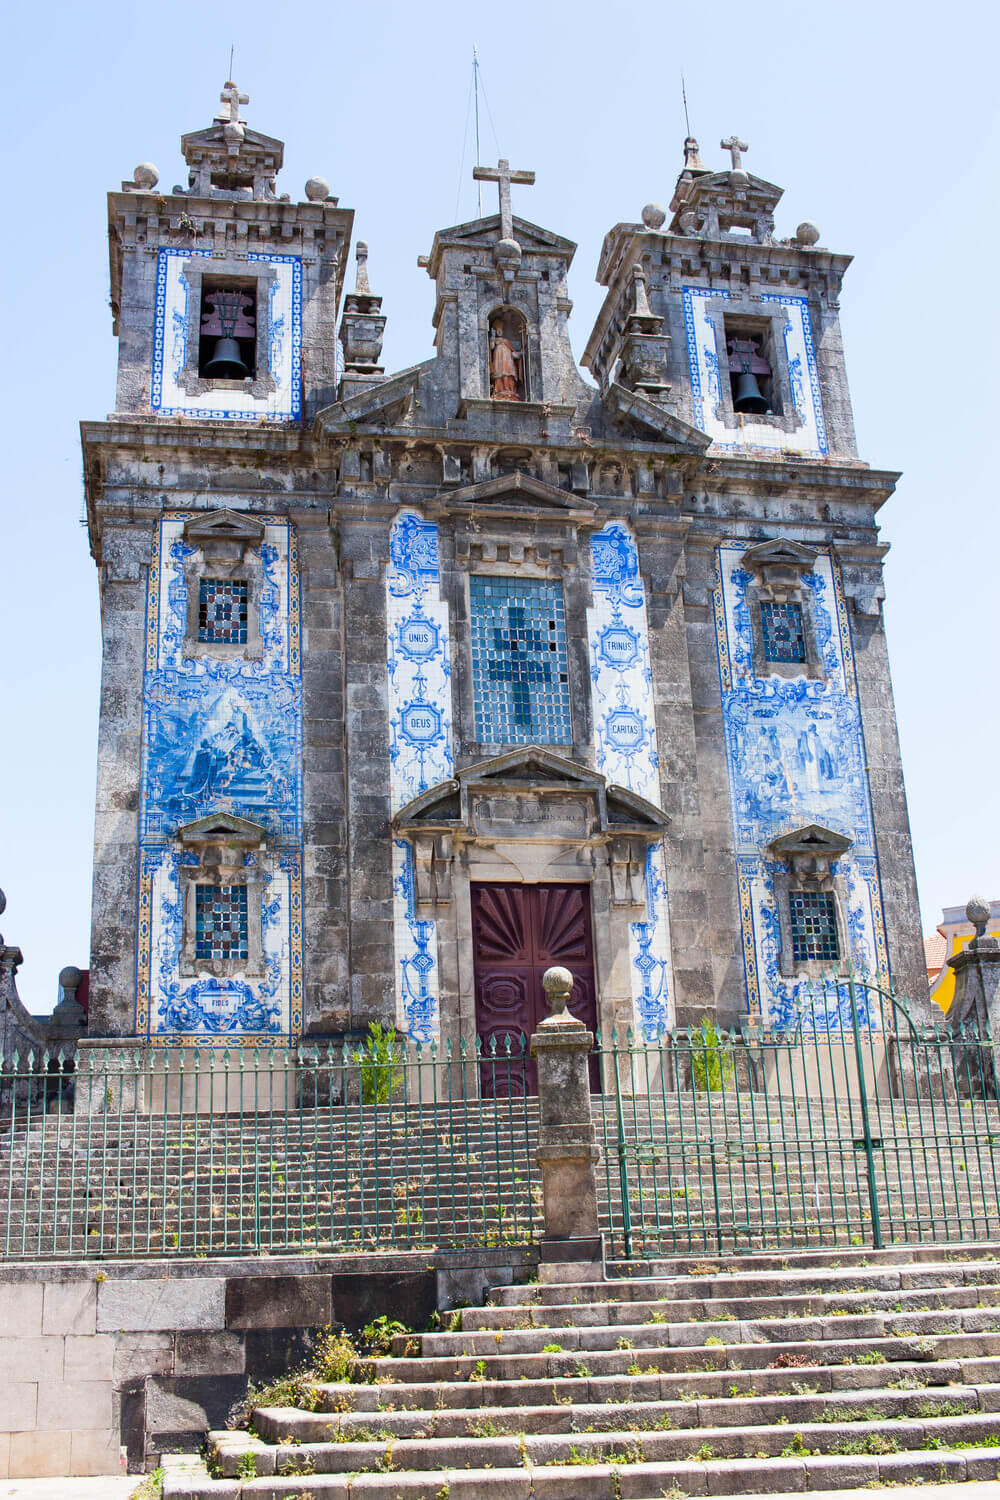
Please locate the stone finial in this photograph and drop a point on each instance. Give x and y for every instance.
(692, 156)
(3, 908)
(317, 189)
(146, 176)
(978, 912)
(654, 215)
(557, 984)
(640, 296)
(69, 1011)
(362, 287)
(807, 233)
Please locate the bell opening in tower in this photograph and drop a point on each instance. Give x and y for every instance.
(751, 377)
(227, 348)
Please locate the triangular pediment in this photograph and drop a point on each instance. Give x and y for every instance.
(212, 138)
(486, 231)
(222, 827)
(781, 552)
(228, 525)
(811, 839)
(516, 492)
(630, 406)
(389, 401)
(530, 768)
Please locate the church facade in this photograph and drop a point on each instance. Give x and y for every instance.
(416, 683)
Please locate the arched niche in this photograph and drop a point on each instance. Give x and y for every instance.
(507, 355)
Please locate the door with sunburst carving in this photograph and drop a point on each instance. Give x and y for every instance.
(519, 931)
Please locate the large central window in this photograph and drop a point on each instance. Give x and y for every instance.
(519, 672)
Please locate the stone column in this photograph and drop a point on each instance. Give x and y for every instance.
(977, 977)
(567, 1154)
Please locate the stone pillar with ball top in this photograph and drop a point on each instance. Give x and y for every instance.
(977, 978)
(567, 1152)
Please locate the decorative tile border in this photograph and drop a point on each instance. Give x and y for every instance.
(170, 334)
(809, 440)
(418, 654)
(625, 739)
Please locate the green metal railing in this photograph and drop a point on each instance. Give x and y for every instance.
(265, 1150)
(856, 1128)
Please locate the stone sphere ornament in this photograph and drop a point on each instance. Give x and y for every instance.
(977, 910)
(507, 253)
(807, 232)
(317, 189)
(146, 175)
(557, 984)
(3, 903)
(738, 178)
(69, 978)
(654, 215)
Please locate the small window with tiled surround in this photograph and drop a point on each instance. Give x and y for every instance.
(520, 672)
(222, 610)
(221, 922)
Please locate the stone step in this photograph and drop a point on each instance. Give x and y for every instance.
(764, 1329)
(277, 1424)
(716, 1309)
(686, 1385)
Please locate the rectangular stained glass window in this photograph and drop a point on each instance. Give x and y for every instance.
(784, 632)
(814, 926)
(221, 921)
(520, 677)
(222, 610)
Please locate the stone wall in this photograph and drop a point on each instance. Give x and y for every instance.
(145, 1356)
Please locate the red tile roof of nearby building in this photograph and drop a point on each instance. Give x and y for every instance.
(935, 953)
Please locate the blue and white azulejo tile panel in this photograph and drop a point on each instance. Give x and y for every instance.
(709, 367)
(795, 755)
(420, 719)
(221, 735)
(625, 734)
(170, 344)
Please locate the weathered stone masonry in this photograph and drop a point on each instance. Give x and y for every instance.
(362, 821)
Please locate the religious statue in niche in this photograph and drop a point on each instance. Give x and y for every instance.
(507, 355)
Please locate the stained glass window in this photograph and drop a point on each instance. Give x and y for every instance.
(222, 611)
(814, 926)
(519, 669)
(784, 632)
(221, 921)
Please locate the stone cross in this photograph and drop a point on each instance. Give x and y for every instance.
(734, 146)
(502, 174)
(231, 95)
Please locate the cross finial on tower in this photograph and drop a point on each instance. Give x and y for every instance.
(735, 146)
(232, 97)
(502, 174)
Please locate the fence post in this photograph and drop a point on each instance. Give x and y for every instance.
(567, 1154)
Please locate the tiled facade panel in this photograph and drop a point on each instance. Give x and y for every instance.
(420, 715)
(220, 736)
(796, 755)
(625, 734)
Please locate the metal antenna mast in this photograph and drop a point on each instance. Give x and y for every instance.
(475, 79)
(687, 122)
(231, 52)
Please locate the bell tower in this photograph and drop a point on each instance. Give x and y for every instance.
(224, 294)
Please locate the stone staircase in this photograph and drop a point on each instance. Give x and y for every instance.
(725, 1376)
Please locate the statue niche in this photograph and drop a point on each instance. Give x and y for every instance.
(508, 351)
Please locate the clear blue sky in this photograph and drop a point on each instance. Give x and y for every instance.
(878, 120)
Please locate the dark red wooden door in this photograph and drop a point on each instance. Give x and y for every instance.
(519, 931)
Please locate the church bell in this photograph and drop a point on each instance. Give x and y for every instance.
(745, 363)
(231, 317)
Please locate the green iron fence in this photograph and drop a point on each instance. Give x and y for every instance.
(858, 1127)
(265, 1150)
